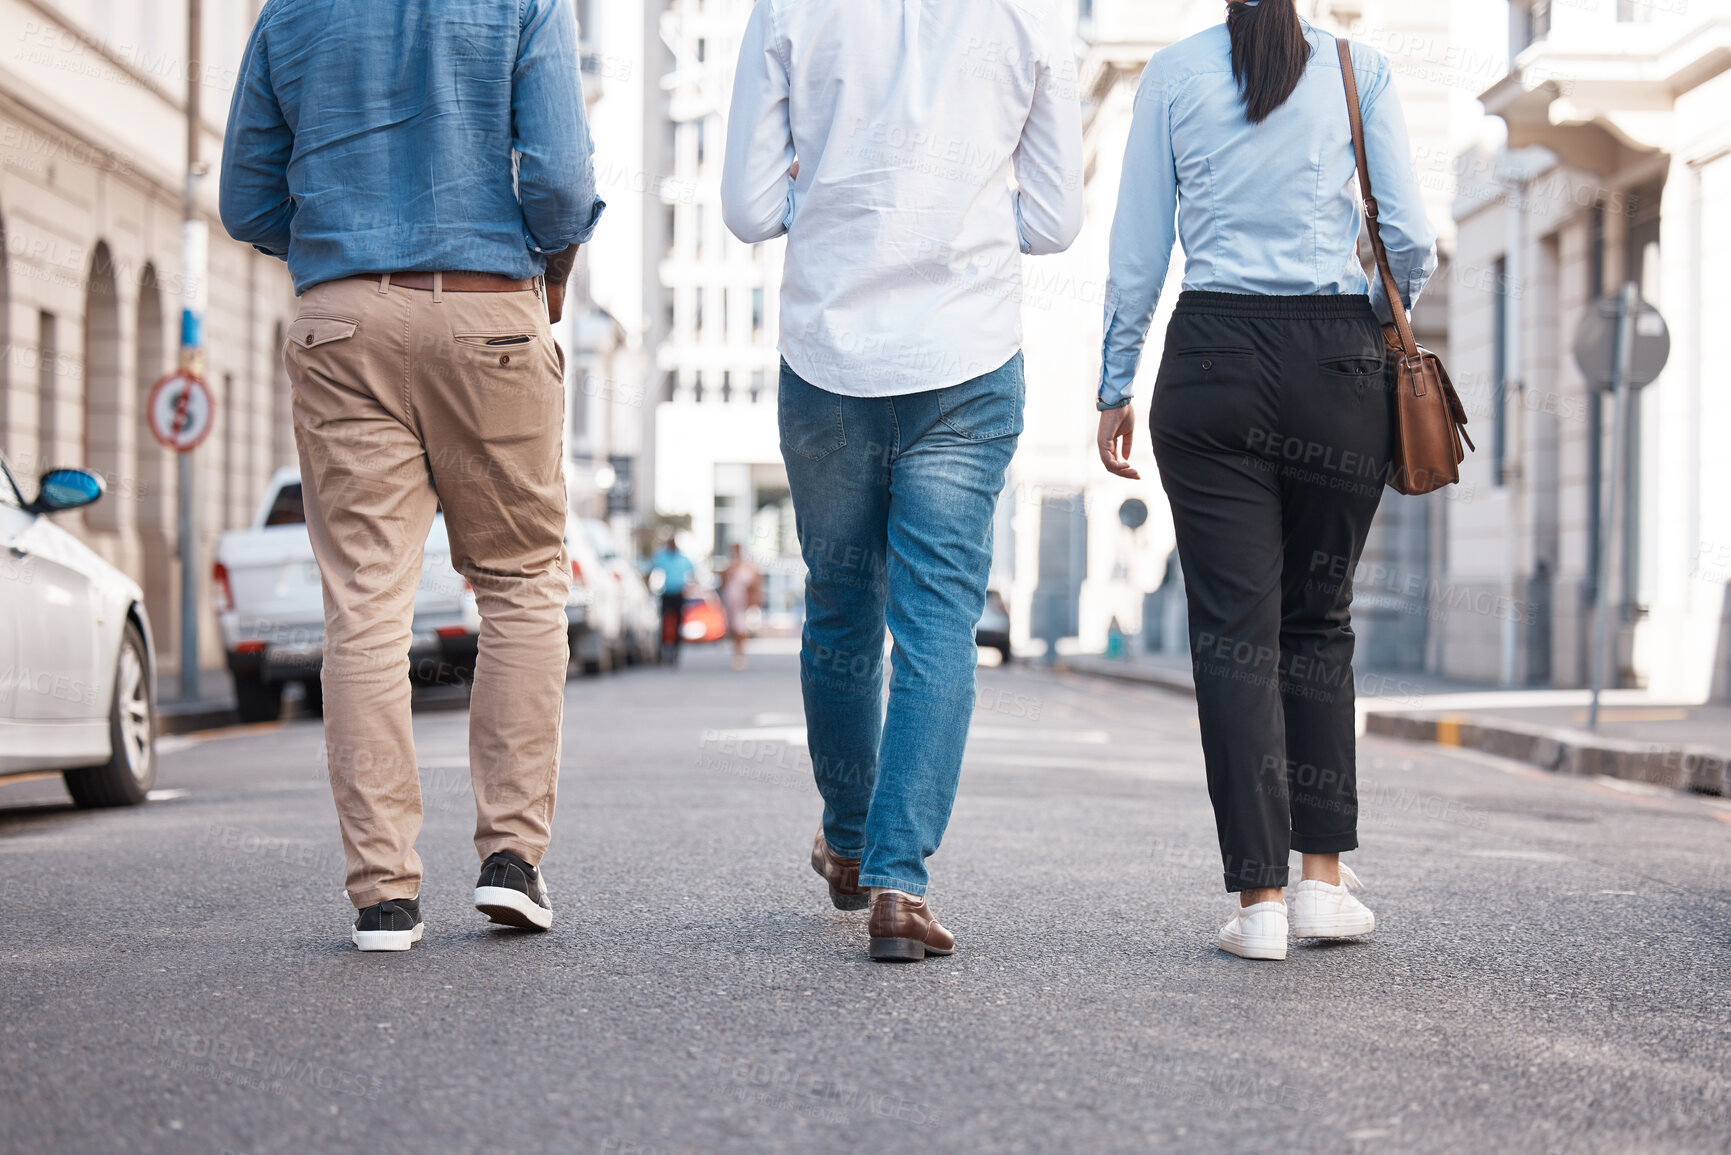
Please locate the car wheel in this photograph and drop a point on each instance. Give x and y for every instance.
(1005, 651)
(313, 705)
(125, 779)
(257, 700)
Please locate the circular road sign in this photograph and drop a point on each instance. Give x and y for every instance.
(181, 411)
(1133, 513)
(1596, 343)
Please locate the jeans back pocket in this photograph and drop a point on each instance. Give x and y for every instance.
(988, 406)
(810, 418)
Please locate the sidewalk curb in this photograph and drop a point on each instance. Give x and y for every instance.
(1176, 681)
(185, 717)
(1684, 767)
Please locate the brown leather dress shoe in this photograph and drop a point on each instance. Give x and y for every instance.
(842, 874)
(904, 929)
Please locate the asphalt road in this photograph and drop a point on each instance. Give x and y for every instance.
(1551, 972)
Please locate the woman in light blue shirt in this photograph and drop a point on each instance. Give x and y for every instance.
(1271, 419)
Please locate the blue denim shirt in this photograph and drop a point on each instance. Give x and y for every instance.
(1260, 208)
(394, 135)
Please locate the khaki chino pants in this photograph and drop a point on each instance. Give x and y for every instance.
(406, 401)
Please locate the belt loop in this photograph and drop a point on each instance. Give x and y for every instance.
(384, 284)
(438, 287)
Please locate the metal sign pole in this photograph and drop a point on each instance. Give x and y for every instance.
(194, 251)
(1627, 306)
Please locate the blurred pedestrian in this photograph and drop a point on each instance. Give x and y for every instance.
(670, 572)
(901, 377)
(425, 169)
(1272, 420)
(742, 599)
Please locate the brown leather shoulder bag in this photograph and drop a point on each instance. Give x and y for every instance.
(1430, 421)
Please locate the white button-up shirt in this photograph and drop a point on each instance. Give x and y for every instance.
(905, 234)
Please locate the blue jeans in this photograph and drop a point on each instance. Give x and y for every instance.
(894, 498)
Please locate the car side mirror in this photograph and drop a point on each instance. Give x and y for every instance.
(63, 489)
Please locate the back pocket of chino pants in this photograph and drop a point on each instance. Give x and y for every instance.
(311, 330)
(810, 418)
(520, 361)
(986, 407)
(321, 337)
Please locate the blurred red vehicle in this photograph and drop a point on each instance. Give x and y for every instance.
(703, 619)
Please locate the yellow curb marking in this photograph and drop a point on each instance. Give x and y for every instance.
(1448, 730)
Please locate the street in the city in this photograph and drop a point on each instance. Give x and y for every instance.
(1551, 970)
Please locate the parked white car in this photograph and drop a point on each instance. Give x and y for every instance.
(77, 665)
(595, 609)
(640, 611)
(270, 607)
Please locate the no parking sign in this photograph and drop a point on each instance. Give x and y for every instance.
(181, 411)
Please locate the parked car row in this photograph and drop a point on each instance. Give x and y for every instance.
(78, 664)
(270, 607)
(612, 616)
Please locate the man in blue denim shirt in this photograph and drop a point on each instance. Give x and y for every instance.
(424, 166)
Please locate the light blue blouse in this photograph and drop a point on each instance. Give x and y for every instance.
(1268, 208)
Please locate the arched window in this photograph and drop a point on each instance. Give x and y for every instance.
(106, 440)
(154, 465)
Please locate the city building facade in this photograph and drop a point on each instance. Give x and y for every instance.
(92, 173)
(697, 309)
(1613, 169)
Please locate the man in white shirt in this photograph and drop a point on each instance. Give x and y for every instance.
(882, 137)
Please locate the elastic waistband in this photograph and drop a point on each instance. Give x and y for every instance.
(1348, 306)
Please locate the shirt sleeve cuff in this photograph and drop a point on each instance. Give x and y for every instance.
(588, 230)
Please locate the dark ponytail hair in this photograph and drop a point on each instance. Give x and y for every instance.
(1269, 53)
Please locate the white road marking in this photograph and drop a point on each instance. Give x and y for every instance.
(1520, 855)
(796, 736)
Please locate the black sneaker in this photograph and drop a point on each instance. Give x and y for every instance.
(389, 925)
(512, 892)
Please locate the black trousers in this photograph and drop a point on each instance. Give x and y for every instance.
(1273, 418)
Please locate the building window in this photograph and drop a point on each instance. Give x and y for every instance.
(702, 138)
(1529, 23)
(697, 312)
(702, 49)
(757, 310)
(697, 230)
(727, 385)
(1635, 11)
(757, 379)
(697, 386)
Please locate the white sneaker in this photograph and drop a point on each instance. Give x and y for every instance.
(1257, 931)
(1323, 911)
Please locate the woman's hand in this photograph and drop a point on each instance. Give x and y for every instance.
(1116, 427)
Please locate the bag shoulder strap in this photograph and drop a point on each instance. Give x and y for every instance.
(1396, 308)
